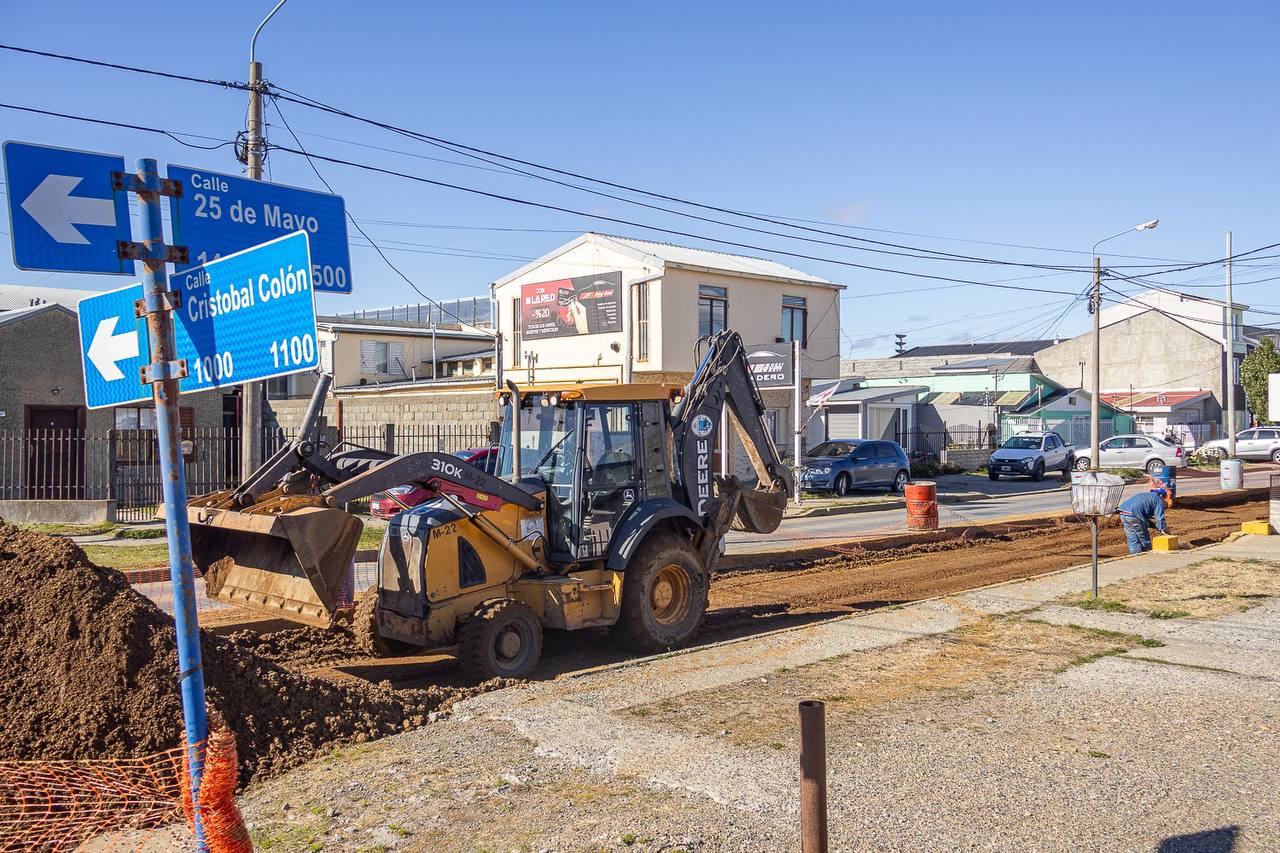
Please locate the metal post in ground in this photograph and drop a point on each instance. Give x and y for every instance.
(1093, 527)
(813, 777)
(163, 373)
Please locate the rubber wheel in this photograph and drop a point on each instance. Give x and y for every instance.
(993, 475)
(841, 487)
(501, 639)
(900, 481)
(1275, 457)
(364, 625)
(1037, 472)
(664, 595)
(1081, 463)
(1154, 465)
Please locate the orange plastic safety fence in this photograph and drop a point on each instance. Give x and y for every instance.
(58, 805)
(110, 805)
(224, 829)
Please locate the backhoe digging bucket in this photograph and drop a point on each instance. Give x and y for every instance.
(291, 565)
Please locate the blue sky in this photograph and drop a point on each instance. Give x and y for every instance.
(1008, 123)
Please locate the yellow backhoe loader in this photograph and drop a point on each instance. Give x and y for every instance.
(604, 512)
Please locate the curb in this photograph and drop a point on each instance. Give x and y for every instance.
(901, 503)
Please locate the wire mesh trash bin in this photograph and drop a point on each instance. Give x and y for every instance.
(1095, 495)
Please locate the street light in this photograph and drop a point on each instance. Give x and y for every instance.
(1095, 308)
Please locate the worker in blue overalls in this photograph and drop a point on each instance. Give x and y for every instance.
(1140, 513)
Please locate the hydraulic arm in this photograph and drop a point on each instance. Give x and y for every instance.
(723, 377)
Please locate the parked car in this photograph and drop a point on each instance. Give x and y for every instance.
(1031, 454)
(1136, 451)
(1259, 443)
(840, 465)
(397, 499)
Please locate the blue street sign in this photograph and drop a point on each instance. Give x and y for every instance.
(250, 315)
(220, 214)
(64, 213)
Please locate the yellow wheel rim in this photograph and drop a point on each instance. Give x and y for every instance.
(671, 594)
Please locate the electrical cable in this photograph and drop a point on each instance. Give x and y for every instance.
(382, 254)
(172, 134)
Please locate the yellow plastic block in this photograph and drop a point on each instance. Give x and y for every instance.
(1257, 528)
(1164, 543)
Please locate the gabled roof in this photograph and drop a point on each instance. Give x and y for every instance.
(14, 297)
(8, 318)
(870, 395)
(657, 255)
(979, 349)
(1034, 404)
(1152, 401)
(416, 330)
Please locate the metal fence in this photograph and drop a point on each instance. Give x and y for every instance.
(929, 443)
(1071, 430)
(124, 465)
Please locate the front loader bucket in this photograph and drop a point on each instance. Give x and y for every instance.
(759, 510)
(291, 565)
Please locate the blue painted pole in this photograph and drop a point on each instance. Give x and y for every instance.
(173, 476)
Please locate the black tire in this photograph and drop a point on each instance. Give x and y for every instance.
(501, 639)
(1037, 471)
(364, 626)
(1081, 463)
(993, 475)
(900, 481)
(1154, 465)
(664, 595)
(841, 486)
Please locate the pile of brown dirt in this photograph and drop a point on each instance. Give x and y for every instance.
(300, 648)
(88, 668)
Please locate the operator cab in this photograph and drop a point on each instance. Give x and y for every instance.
(582, 446)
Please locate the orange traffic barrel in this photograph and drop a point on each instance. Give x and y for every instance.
(922, 505)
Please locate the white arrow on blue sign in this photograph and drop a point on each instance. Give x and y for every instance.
(65, 215)
(219, 214)
(248, 316)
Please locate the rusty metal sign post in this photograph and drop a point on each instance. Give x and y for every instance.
(813, 777)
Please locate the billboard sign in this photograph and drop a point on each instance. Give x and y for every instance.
(585, 305)
(772, 365)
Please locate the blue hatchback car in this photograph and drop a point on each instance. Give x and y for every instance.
(840, 465)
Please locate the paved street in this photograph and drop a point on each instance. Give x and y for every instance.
(810, 531)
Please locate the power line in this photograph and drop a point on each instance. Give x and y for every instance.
(226, 84)
(172, 134)
(659, 229)
(353, 221)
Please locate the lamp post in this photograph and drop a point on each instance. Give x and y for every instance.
(255, 151)
(1095, 308)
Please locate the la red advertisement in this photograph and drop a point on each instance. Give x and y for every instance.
(585, 305)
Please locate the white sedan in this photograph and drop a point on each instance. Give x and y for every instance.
(1135, 451)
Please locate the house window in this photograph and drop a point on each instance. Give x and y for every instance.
(515, 332)
(771, 423)
(795, 320)
(135, 418)
(642, 321)
(713, 310)
(1235, 370)
(134, 424)
(381, 358)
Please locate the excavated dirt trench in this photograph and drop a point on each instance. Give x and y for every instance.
(897, 569)
(769, 591)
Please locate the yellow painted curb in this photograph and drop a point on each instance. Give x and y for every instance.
(1257, 528)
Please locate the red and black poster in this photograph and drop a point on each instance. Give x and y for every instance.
(586, 305)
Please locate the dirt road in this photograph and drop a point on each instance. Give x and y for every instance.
(808, 586)
(868, 574)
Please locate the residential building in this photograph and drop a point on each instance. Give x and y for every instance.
(847, 408)
(612, 309)
(1161, 343)
(1065, 411)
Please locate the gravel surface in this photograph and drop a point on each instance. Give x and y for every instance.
(1171, 745)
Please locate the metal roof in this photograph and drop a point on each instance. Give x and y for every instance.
(992, 364)
(17, 296)
(17, 316)
(1152, 400)
(868, 395)
(655, 255)
(980, 348)
(387, 327)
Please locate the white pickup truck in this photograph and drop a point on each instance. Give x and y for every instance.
(1031, 454)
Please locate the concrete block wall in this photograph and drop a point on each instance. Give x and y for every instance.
(477, 409)
(970, 459)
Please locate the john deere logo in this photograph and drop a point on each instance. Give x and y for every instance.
(702, 426)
